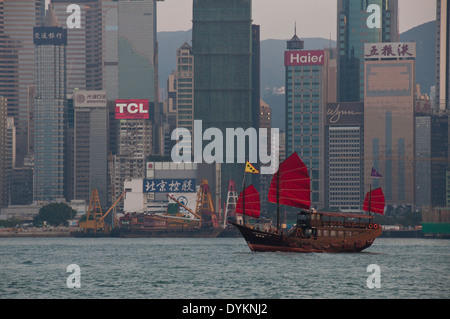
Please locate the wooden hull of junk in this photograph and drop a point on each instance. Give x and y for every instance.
(357, 240)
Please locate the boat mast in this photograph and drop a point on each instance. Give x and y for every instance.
(243, 199)
(278, 199)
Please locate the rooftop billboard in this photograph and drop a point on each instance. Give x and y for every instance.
(307, 57)
(132, 109)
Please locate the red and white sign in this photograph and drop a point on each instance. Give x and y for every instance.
(132, 109)
(311, 57)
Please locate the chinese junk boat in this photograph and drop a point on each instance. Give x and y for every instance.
(314, 231)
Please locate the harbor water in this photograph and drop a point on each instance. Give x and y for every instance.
(218, 268)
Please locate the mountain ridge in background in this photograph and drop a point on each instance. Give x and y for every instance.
(272, 64)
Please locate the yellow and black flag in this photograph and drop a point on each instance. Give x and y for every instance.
(250, 169)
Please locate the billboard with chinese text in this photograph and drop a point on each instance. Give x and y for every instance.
(169, 185)
(49, 36)
(84, 98)
(390, 50)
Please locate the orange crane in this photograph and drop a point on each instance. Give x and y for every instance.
(95, 219)
(205, 207)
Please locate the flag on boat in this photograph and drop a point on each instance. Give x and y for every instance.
(375, 173)
(249, 168)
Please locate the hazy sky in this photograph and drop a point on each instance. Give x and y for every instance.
(315, 18)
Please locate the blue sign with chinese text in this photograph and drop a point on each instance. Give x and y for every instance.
(49, 36)
(169, 185)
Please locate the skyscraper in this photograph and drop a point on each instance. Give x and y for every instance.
(184, 100)
(306, 99)
(84, 44)
(344, 156)
(423, 151)
(17, 71)
(222, 46)
(90, 145)
(3, 172)
(131, 72)
(50, 105)
(440, 117)
(389, 123)
(442, 55)
(353, 31)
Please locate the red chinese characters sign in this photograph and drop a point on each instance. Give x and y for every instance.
(311, 57)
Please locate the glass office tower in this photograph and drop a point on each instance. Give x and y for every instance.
(389, 121)
(50, 55)
(352, 33)
(222, 47)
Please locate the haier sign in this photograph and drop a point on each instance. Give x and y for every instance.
(311, 57)
(132, 109)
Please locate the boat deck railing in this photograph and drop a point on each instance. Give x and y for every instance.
(339, 224)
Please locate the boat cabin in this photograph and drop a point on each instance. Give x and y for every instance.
(330, 224)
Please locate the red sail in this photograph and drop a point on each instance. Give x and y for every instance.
(292, 183)
(252, 203)
(375, 199)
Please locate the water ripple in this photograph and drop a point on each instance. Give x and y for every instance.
(220, 268)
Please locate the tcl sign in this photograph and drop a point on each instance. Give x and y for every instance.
(132, 109)
(311, 57)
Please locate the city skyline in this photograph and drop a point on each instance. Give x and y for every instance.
(130, 62)
(176, 15)
(412, 13)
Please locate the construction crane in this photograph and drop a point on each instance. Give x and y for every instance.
(187, 208)
(205, 207)
(95, 219)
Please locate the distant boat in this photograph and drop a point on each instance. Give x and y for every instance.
(314, 231)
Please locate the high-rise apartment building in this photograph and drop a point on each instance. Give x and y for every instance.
(85, 44)
(306, 98)
(439, 146)
(344, 156)
(442, 55)
(10, 151)
(353, 31)
(50, 106)
(389, 123)
(17, 66)
(90, 143)
(184, 83)
(222, 47)
(423, 151)
(3, 171)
